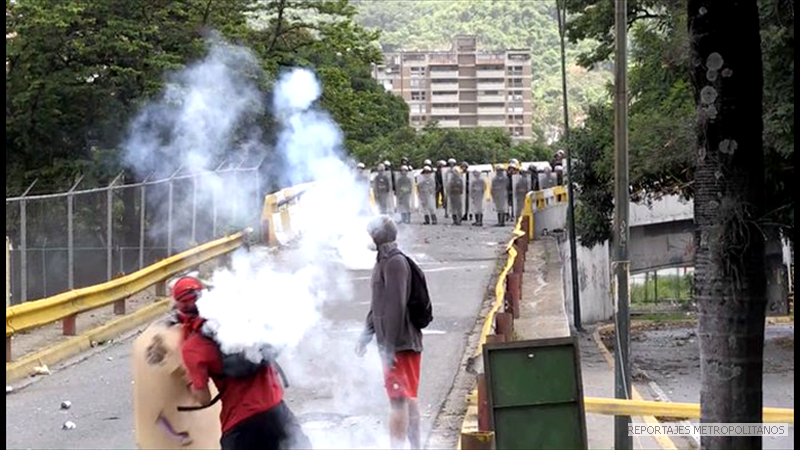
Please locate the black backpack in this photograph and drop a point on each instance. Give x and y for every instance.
(419, 305)
(236, 365)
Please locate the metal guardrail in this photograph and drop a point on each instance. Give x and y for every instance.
(66, 306)
(620, 407)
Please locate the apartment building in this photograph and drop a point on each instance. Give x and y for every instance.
(463, 87)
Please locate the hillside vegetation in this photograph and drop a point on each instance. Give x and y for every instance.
(431, 25)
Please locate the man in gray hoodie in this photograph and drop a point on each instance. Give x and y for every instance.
(399, 341)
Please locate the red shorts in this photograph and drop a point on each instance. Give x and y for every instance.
(402, 381)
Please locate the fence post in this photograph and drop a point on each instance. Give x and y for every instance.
(213, 211)
(23, 244)
(194, 208)
(71, 235)
(258, 192)
(8, 272)
(169, 218)
(483, 404)
(142, 217)
(513, 284)
(68, 326)
(504, 323)
(161, 289)
(110, 226)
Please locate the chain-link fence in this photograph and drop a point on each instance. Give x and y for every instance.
(79, 238)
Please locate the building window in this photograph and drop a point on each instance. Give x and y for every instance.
(444, 68)
(418, 95)
(418, 71)
(515, 96)
(519, 56)
(414, 57)
(515, 131)
(437, 93)
(489, 93)
(417, 83)
(418, 108)
(515, 82)
(418, 119)
(515, 70)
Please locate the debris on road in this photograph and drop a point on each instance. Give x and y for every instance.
(41, 370)
(110, 358)
(66, 404)
(68, 425)
(9, 389)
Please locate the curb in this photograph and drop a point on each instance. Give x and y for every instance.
(56, 353)
(663, 441)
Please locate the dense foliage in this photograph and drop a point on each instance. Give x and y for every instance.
(78, 70)
(662, 111)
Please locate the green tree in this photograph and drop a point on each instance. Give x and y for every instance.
(78, 70)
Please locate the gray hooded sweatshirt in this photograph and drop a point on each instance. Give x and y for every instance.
(388, 317)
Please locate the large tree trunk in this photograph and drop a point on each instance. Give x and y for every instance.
(729, 197)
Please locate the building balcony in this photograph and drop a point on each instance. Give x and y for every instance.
(491, 123)
(491, 98)
(492, 86)
(491, 74)
(444, 86)
(444, 73)
(495, 110)
(447, 123)
(444, 111)
(444, 98)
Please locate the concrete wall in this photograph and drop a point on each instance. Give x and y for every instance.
(550, 218)
(661, 245)
(667, 209)
(593, 281)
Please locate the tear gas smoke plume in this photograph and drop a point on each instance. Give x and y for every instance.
(205, 113)
(281, 300)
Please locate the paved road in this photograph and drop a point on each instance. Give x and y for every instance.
(337, 396)
(672, 359)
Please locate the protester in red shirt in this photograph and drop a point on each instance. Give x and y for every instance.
(253, 413)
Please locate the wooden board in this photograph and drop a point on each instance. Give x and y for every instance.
(159, 388)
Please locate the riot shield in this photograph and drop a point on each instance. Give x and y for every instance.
(478, 182)
(522, 184)
(404, 191)
(498, 191)
(382, 190)
(455, 190)
(426, 192)
(545, 179)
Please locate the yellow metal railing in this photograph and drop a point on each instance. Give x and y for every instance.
(38, 313)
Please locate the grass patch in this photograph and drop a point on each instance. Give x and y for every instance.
(664, 317)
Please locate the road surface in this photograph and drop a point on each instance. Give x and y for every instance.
(671, 358)
(338, 397)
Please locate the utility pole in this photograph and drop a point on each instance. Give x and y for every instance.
(573, 252)
(622, 379)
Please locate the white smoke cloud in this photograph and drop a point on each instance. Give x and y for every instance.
(203, 115)
(206, 112)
